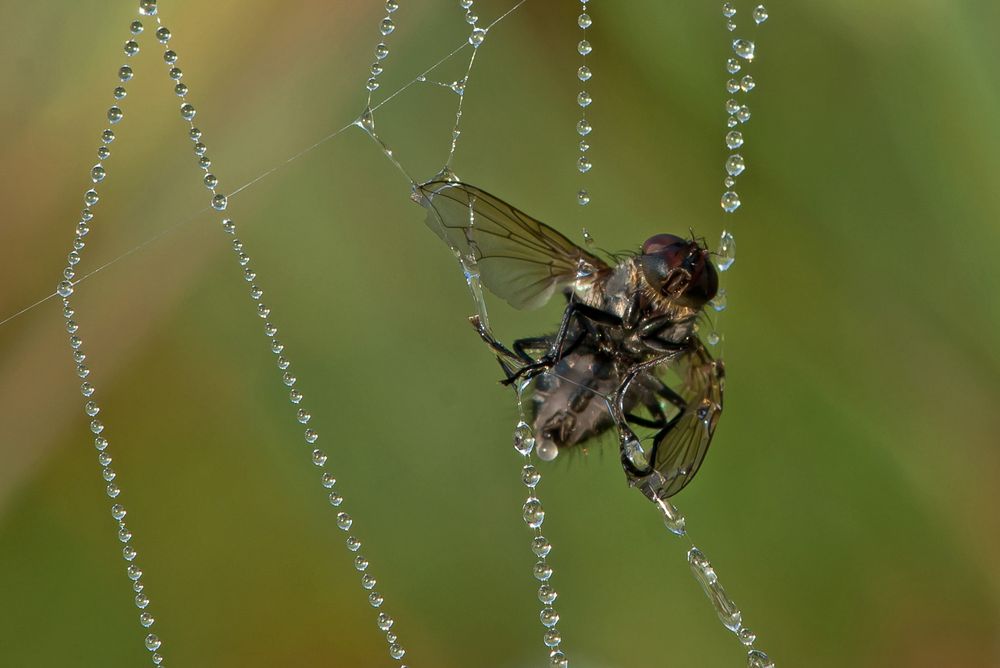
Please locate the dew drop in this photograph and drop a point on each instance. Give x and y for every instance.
(219, 202)
(547, 595)
(583, 164)
(115, 115)
(319, 457)
(524, 441)
(477, 37)
(732, 86)
(152, 642)
(375, 599)
(146, 619)
(720, 301)
(728, 10)
(542, 571)
(732, 66)
(552, 638)
(381, 51)
(584, 47)
(188, 111)
(533, 513)
(714, 338)
(135, 27)
(757, 659)
(98, 173)
(583, 127)
(583, 99)
(759, 14)
(727, 251)
(743, 115)
(119, 93)
(730, 201)
(344, 521)
(547, 450)
(747, 83)
(396, 651)
(549, 617)
(672, 517)
(147, 7)
(131, 48)
(734, 139)
(746, 636)
(530, 476)
(387, 26)
(541, 546)
(141, 601)
(735, 165)
(64, 289)
(584, 73)
(744, 48)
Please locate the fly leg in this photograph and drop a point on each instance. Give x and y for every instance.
(633, 459)
(508, 359)
(585, 315)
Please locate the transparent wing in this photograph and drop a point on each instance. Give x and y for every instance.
(678, 455)
(519, 259)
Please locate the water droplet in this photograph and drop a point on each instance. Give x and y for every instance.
(720, 301)
(732, 106)
(91, 408)
(471, 18)
(188, 111)
(743, 115)
(583, 164)
(458, 86)
(368, 581)
(549, 617)
(219, 202)
(211, 180)
(757, 659)
(747, 83)
(730, 201)
(584, 73)
(96, 426)
(146, 619)
(714, 338)
(533, 513)
(557, 659)
(115, 115)
(727, 251)
(703, 572)
(344, 521)
(672, 517)
(135, 27)
(147, 7)
(295, 396)
(584, 47)
(375, 599)
(163, 35)
(542, 571)
(103, 152)
(759, 14)
(387, 26)
(744, 48)
(381, 51)
(131, 47)
(735, 165)
(108, 136)
(524, 441)
(141, 601)
(175, 73)
(583, 127)
(319, 457)
(547, 450)
(746, 636)
(732, 86)
(180, 90)
(64, 289)
(734, 139)
(384, 622)
(100, 443)
(396, 651)
(200, 148)
(152, 642)
(366, 121)
(194, 134)
(530, 476)
(541, 546)
(133, 572)
(391, 6)
(118, 510)
(583, 99)
(732, 66)
(311, 436)
(632, 448)
(583, 146)
(728, 10)
(129, 554)
(547, 595)
(729, 182)
(465, 4)
(552, 638)
(119, 92)
(477, 37)
(730, 25)
(360, 563)
(353, 544)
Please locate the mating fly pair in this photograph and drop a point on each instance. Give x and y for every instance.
(626, 352)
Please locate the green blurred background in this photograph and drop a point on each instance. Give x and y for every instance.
(849, 501)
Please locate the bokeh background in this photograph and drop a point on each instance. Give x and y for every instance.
(850, 498)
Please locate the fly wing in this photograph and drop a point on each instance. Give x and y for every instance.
(519, 259)
(678, 455)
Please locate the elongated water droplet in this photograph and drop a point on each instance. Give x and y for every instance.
(709, 581)
(727, 251)
(673, 519)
